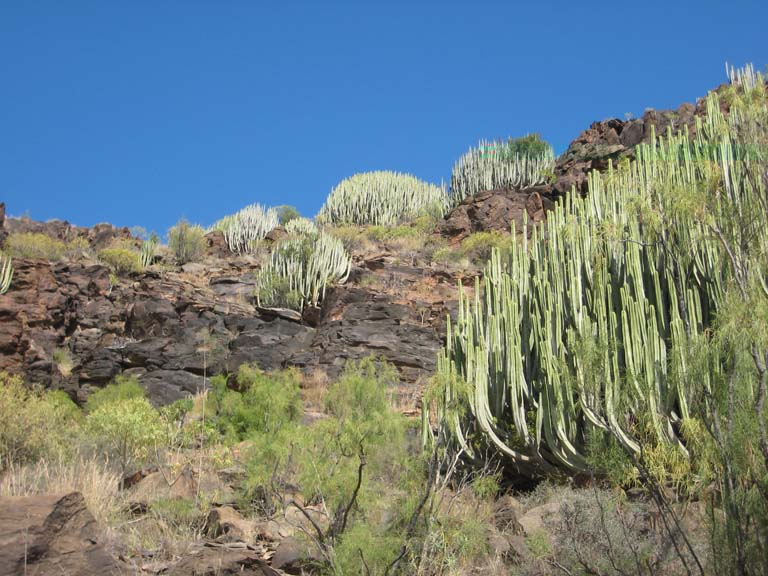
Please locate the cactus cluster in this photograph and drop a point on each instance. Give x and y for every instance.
(6, 272)
(300, 227)
(300, 269)
(148, 250)
(243, 228)
(587, 326)
(381, 198)
(500, 165)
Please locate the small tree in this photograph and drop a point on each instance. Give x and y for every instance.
(186, 241)
(123, 423)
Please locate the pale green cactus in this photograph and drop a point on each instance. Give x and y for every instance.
(301, 227)
(492, 166)
(303, 267)
(587, 324)
(6, 272)
(244, 228)
(381, 198)
(148, 250)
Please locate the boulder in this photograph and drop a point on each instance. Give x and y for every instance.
(221, 561)
(294, 556)
(227, 522)
(495, 210)
(51, 534)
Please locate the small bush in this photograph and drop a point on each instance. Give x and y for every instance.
(122, 388)
(287, 213)
(266, 402)
(34, 424)
(126, 430)
(35, 245)
(478, 247)
(186, 241)
(121, 260)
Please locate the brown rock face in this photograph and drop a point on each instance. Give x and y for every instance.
(496, 210)
(43, 535)
(98, 236)
(612, 140)
(602, 143)
(153, 326)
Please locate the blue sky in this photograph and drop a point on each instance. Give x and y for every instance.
(141, 112)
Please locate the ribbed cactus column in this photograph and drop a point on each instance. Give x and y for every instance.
(6, 272)
(588, 323)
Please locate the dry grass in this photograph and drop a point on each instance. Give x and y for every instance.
(98, 483)
(314, 387)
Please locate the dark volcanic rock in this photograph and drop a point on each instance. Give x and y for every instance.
(496, 210)
(614, 139)
(358, 322)
(602, 143)
(51, 534)
(98, 236)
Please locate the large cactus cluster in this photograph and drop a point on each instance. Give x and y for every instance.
(500, 165)
(6, 273)
(243, 228)
(303, 265)
(588, 324)
(381, 198)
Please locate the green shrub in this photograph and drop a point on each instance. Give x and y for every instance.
(265, 403)
(34, 424)
(35, 245)
(122, 388)
(478, 246)
(126, 429)
(275, 291)
(186, 241)
(121, 260)
(530, 145)
(287, 213)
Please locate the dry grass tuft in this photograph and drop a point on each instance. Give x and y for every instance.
(98, 483)
(314, 387)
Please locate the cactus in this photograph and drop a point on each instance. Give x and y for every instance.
(246, 226)
(300, 227)
(587, 325)
(304, 266)
(148, 249)
(6, 273)
(500, 165)
(381, 198)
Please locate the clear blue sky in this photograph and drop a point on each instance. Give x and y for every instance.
(140, 112)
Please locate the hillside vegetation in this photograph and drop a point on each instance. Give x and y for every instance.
(597, 405)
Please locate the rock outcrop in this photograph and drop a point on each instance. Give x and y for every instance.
(602, 143)
(52, 534)
(171, 329)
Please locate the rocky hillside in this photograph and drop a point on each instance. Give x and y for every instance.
(157, 324)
